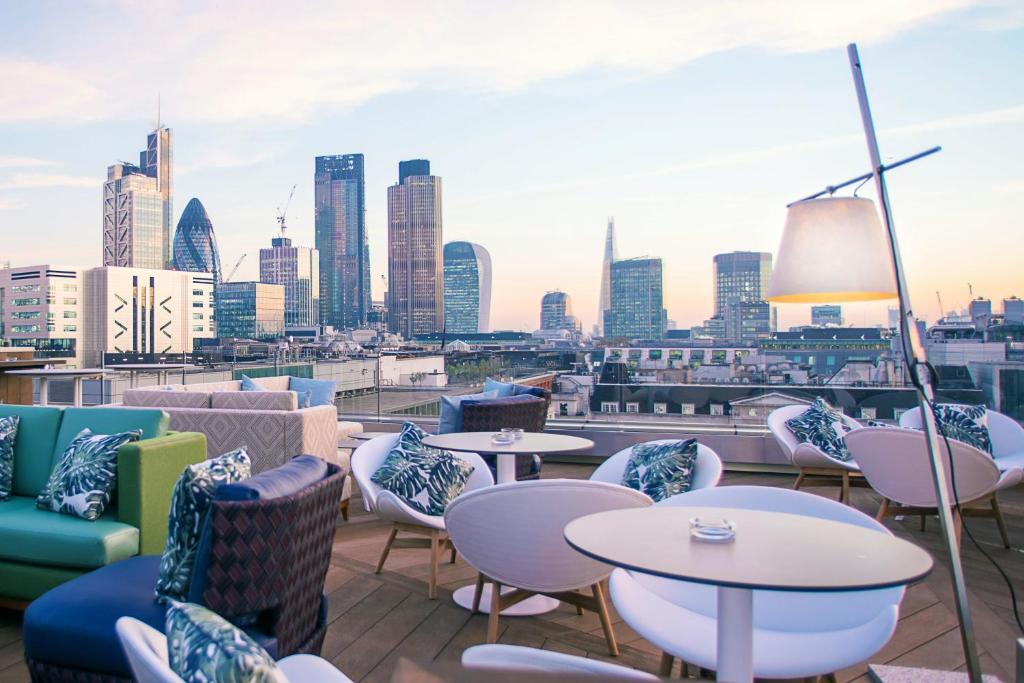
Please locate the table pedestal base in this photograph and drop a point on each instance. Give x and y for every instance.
(538, 604)
(735, 635)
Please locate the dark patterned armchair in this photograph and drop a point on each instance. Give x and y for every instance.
(526, 411)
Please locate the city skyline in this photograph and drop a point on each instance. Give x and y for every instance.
(701, 176)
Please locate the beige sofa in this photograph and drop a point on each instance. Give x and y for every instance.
(268, 424)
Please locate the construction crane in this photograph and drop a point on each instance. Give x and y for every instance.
(942, 311)
(281, 212)
(235, 269)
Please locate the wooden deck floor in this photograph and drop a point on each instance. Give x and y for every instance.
(377, 619)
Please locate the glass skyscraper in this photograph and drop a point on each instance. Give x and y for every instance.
(740, 277)
(467, 288)
(637, 309)
(340, 224)
(250, 310)
(297, 269)
(415, 261)
(556, 312)
(195, 247)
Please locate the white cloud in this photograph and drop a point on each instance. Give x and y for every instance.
(227, 158)
(288, 62)
(23, 162)
(29, 181)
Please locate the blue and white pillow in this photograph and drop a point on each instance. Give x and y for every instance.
(968, 424)
(661, 470)
(190, 503)
(249, 385)
(83, 481)
(204, 647)
(451, 410)
(426, 479)
(8, 433)
(320, 392)
(504, 389)
(821, 425)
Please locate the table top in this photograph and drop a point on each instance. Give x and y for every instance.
(531, 443)
(771, 551)
(59, 372)
(148, 366)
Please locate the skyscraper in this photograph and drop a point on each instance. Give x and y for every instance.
(610, 255)
(137, 207)
(250, 310)
(340, 198)
(415, 261)
(467, 288)
(195, 247)
(740, 277)
(298, 270)
(556, 312)
(1013, 311)
(637, 309)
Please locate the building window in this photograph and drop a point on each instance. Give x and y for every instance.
(609, 407)
(70, 301)
(33, 301)
(70, 314)
(197, 316)
(632, 407)
(71, 328)
(868, 413)
(718, 409)
(18, 289)
(197, 328)
(25, 315)
(24, 329)
(197, 304)
(688, 408)
(197, 292)
(661, 409)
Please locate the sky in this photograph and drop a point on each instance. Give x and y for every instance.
(693, 123)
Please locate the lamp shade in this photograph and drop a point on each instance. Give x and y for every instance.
(833, 250)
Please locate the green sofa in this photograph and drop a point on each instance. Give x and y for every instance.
(41, 549)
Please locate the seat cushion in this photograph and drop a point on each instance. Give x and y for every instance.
(73, 624)
(1009, 461)
(33, 447)
(299, 473)
(35, 536)
(152, 423)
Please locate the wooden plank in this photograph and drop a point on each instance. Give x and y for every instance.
(425, 642)
(360, 618)
(474, 632)
(369, 649)
(17, 673)
(348, 596)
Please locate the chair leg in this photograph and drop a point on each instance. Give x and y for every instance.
(924, 522)
(478, 593)
(387, 549)
(344, 510)
(958, 524)
(883, 509)
(435, 558)
(998, 514)
(667, 662)
(844, 494)
(492, 618)
(452, 560)
(606, 620)
(799, 480)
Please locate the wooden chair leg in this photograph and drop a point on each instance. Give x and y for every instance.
(883, 510)
(478, 593)
(998, 514)
(667, 662)
(387, 549)
(344, 510)
(958, 524)
(435, 559)
(799, 480)
(452, 560)
(844, 494)
(492, 618)
(606, 620)
(924, 522)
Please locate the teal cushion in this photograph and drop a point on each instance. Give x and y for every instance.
(661, 470)
(249, 385)
(321, 390)
(190, 503)
(451, 410)
(503, 388)
(83, 480)
(8, 434)
(425, 478)
(35, 536)
(202, 646)
(151, 422)
(821, 425)
(968, 424)
(33, 448)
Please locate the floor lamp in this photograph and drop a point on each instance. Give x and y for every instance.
(835, 249)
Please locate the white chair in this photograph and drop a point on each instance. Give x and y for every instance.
(795, 634)
(428, 531)
(527, 660)
(707, 469)
(810, 460)
(895, 462)
(1006, 433)
(146, 649)
(512, 534)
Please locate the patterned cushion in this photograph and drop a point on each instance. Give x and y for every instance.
(425, 478)
(821, 425)
(254, 400)
(190, 503)
(166, 398)
(84, 478)
(661, 470)
(8, 433)
(203, 647)
(968, 424)
(451, 410)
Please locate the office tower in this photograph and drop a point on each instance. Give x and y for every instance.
(195, 247)
(893, 317)
(411, 168)
(250, 310)
(754, 320)
(637, 310)
(981, 312)
(297, 269)
(740, 276)
(137, 207)
(41, 309)
(556, 312)
(1013, 311)
(467, 288)
(340, 198)
(415, 261)
(828, 314)
(610, 255)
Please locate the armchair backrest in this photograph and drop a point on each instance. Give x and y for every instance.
(529, 413)
(1006, 433)
(784, 435)
(708, 469)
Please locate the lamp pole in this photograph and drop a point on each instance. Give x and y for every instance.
(914, 356)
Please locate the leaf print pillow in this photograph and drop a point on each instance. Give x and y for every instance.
(84, 478)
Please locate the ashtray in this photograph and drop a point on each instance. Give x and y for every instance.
(502, 438)
(712, 530)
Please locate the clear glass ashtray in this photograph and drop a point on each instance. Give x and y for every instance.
(712, 530)
(502, 438)
(515, 432)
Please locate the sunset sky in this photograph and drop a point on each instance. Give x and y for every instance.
(692, 123)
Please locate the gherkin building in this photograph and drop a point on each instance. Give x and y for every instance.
(195, 247)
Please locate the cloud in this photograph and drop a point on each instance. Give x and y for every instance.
(30, 181)
(9, 203)
(23, 162)
(227, 158)
(286, 63)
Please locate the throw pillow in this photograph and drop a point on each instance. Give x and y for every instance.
(503, 388)
(661, 470)
(249, 385)
(322, 391)
(451, 410)
(523, 389)
(304, 398)
(425, 478)
(821, 425)
(968, 424)
(84, 478)
(190, 503)
(8, 433)
(203, 646)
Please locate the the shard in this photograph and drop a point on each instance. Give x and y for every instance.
(610, 254)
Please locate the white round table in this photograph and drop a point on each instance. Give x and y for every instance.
(771, 551)
(44, 375)
(532, 443)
